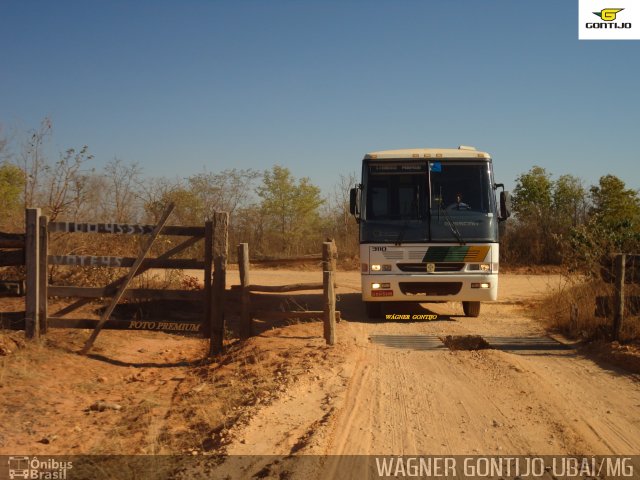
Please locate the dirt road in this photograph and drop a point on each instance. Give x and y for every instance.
(389, 387)
(401, 391)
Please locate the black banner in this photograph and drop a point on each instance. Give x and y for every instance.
(307, 467)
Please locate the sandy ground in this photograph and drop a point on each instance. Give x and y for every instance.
(406, 394)
(388, 387)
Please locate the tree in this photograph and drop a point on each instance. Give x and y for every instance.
(341, 225)
(65, 185)
(613, 225)
(614, 204)
(11, 188)
(34, 160)
(160, 192)
(532, 241)
(122, 180)
(569, 201)
(5, 154)
(225, 191)
(532, 196)
(291, 208)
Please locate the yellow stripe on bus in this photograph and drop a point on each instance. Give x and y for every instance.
(477, 253)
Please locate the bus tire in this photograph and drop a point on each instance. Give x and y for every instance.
(373, 309)
(471, 309)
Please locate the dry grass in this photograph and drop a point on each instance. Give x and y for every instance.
(571, 310)
(210, 403)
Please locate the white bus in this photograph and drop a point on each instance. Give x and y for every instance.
(428, 227)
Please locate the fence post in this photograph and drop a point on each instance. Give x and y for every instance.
(573, 318)
(246, 324)
(220, 248)
(334, 259)
(43, 274)
(618, 299)
(328, 282)
(32, 264)
(208, 269)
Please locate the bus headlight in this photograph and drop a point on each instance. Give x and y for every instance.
(379, 268)
(376, 286)
(480, 267)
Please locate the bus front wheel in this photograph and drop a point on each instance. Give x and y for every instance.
(471, 309)
(373, 309)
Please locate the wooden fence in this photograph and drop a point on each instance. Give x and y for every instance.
(328, 314)
(621, 270)
(31, 250)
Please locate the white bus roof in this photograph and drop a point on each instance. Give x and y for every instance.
(443, 153)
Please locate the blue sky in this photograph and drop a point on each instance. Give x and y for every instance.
(312, 85)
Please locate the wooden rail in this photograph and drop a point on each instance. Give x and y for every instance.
(270, 261)
(124, 229)
(104, 292)
(12, 240)
(11, 258)
(166, 325)
(125, 262)
(329, 314)
(293, 287)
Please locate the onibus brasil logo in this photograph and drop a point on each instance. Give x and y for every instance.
(34, 468)
(608, 15)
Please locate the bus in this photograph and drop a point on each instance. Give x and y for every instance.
(18, 467)
(428, 221)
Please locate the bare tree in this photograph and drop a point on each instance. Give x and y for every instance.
(223, 191)
(155, 194)
(341, 223)
(123, 180)
(5, 154)
(33, 159)
(65, 187)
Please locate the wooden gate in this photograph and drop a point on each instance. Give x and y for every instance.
(37, 318)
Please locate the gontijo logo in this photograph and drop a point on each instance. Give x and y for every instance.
(609, 19)
(608, 15)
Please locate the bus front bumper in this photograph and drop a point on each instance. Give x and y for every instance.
(430, 288)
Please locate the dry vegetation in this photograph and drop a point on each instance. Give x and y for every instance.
(150, 393)
(571, 310)
(578, 294)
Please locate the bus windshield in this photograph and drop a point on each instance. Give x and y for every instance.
(450, 201)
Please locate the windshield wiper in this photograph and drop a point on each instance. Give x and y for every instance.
(450, 224)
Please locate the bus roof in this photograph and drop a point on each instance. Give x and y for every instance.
(443, 153)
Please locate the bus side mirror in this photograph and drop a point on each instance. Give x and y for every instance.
(505, 205)
(354, 207)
